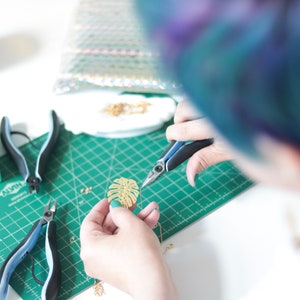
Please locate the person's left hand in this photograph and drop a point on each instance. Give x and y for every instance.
(120, 248)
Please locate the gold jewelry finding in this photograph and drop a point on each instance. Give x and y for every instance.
(123, 190)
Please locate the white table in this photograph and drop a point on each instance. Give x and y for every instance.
(243, 248)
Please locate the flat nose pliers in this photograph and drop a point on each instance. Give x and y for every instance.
(51, 285)
(19, 159)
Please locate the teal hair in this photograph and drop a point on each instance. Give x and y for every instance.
(238, 61)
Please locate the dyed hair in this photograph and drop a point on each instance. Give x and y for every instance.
(237, 60)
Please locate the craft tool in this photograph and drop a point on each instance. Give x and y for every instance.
(175, 154)
(52, 283)
(19, 159)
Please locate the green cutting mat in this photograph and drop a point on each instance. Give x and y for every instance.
(83, 161)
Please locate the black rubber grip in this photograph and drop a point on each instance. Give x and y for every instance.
(168, 148)
(48, 145)
(17, 255)
(12, 150)
(186, 152)
(53, 281)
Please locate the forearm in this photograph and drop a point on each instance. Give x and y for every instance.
(158, 284)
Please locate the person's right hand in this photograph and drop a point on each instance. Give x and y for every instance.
(189, 126)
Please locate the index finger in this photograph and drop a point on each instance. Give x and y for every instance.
(185, 111)
(190, 131)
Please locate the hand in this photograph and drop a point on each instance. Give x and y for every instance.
(188, 126)
(122, 250)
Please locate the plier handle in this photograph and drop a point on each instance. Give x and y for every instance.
(175, 154)
(43, 156)
(51, 286)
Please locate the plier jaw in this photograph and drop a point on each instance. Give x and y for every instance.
(33, 184)
(157, 171)
(49, 213)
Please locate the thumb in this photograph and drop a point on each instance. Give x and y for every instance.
(121, 216)
(203, 159)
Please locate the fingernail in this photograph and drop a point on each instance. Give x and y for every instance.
(154, 209)
(115, 203)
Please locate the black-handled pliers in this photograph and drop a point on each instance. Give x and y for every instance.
(175, 154)
(52, 284)
(32, 180)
